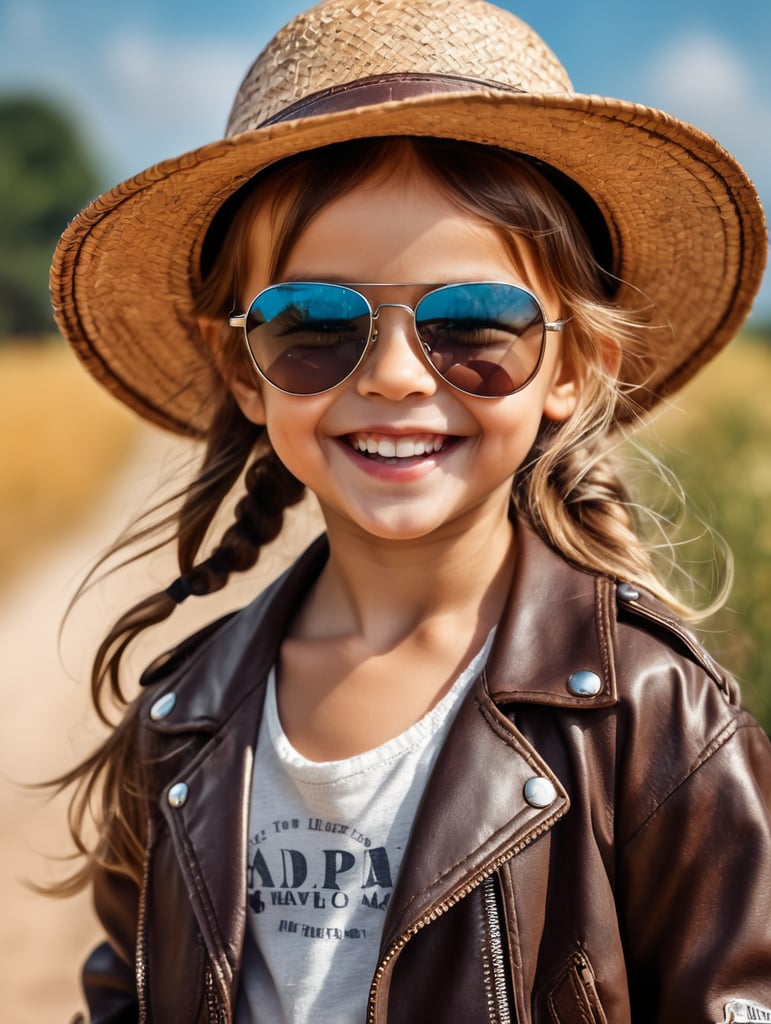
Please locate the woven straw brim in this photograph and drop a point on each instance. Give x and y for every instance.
(685, 222)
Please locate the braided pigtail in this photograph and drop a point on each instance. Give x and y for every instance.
(259, 516)
(270, 489)
(574, 496)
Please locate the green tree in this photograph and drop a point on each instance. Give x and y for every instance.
(46, 176)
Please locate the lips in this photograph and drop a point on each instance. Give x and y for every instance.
(402, 446)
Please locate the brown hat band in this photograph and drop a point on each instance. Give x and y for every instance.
(378, 89)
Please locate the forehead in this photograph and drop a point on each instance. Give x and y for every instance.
(395, 226)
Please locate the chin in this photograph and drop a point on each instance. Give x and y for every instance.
(398, 532)
(394, 528)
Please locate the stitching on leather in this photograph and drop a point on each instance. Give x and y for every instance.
(727, 733)
(602, 592)
(580, 994)
(533, 833)
(203, 891)
(569, 974)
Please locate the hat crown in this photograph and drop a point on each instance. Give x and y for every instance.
(343, 41)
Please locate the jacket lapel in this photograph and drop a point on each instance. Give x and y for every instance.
(558, 620)
(469, 820)
(219, 690)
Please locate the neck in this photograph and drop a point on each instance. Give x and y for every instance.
(383, 591)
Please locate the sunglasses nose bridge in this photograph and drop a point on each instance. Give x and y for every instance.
(388, 305)
(414, 342)
(391, 305)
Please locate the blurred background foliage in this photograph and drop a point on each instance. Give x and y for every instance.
(714, 440)
(46, 176)
(61, 437)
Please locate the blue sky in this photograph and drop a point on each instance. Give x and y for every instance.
(156, 78)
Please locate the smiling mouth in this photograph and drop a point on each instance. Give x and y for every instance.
(375, 446)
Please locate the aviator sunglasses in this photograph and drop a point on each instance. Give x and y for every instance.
(485, 338)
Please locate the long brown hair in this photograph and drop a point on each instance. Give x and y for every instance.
(569, 488)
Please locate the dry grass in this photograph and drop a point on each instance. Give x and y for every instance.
(738, 378)
(61, 438)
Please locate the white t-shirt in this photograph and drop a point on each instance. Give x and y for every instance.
(325, 844)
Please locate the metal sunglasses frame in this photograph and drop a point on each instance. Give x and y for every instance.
(239, 320)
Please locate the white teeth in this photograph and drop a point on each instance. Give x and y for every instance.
(403, 448)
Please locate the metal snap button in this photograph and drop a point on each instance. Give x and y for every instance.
(163, 707)
(627, 592)
(540, 792)
(178, 794)
(584, 684)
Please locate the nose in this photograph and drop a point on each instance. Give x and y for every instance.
(394, 367)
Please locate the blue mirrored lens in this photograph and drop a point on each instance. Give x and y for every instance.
(306, 338)
(485, 338)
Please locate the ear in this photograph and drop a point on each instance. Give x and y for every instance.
(248, 394)
(566, 387)
(611, 356)
(564, 391)
(244, 386)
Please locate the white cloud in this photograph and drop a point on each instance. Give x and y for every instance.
(700, 73)
(701, 78)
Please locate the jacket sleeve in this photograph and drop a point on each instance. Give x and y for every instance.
(696, 881)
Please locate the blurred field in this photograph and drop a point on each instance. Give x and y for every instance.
(61, 438)
(73, 469)
(63, 446)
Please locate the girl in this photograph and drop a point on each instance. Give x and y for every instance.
(463, 762)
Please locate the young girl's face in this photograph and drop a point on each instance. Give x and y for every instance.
(444, 460)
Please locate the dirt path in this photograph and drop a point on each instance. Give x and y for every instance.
(46, 726)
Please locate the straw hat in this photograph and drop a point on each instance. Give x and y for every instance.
(685, 223)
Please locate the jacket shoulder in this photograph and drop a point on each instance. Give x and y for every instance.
(176, 658)
(639, 614)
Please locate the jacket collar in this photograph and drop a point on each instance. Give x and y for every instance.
(558, 621)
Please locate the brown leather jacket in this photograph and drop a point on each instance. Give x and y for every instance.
(631, 883)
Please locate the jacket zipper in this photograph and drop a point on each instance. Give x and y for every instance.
(215, 1011)
(142, 956)
(447, 904)
(497, 992)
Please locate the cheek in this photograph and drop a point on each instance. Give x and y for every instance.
(517, 419)
(508, 435)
